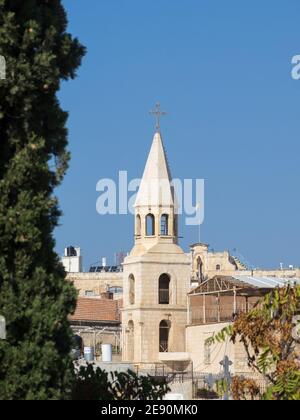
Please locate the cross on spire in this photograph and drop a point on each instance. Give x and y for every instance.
(158, 114)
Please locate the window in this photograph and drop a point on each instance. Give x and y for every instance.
(164, 332)
(150, 225)
(164, 289)
(89, 293)
(164, 225)
(218, 267)
(131, 289)
(200, 268)
(115, 290)
(138, 225)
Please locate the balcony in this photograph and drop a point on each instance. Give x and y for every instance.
(212, 314)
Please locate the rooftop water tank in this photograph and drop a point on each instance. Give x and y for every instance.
(106, 353)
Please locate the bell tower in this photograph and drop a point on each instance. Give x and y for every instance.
(156, 219)
(157, 271)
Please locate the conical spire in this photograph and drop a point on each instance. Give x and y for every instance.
(155, 189)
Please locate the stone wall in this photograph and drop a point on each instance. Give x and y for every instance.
(146, 314)
(207, 359)
(95, 282)
(228, 266)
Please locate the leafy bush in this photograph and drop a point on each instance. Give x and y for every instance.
(95, 384)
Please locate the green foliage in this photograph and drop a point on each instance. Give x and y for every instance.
(267, 333)
(286, 387)
(222, 387)
(35, 299)
(221, 336)
(94, 384)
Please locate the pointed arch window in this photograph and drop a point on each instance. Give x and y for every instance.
(150, 225)
(164, 225)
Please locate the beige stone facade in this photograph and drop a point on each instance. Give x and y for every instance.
(201, 261)
(206, 264)
(89, 284)
(206, 358)
(157, 323)
(156, 275)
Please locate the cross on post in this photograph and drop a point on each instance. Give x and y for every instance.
(158, 114)
(226, 363)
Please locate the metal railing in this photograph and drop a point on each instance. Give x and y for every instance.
(163, 346)
(214, 314)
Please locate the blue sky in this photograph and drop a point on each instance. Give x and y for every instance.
(222, 70)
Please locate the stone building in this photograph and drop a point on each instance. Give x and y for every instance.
(212, 306)
(203, 264)
(97, 321)
(206, 264)
(156, 276)
(168, 312)
(93, 284)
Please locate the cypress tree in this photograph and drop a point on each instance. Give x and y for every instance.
(35, 298)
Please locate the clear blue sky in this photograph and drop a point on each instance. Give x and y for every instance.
(222, 70)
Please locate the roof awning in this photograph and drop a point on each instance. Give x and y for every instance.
(242, 285)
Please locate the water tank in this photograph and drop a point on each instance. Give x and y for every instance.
(106, 353)
(89, 355)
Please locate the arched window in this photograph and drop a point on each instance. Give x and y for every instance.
(130, 341)
(150, 225)
(218, 267)
(131, 289)
(138, 225)
(200, 268)
(164, 225)
(164, 332)
(164, 289)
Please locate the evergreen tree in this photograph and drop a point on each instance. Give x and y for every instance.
(35, 298)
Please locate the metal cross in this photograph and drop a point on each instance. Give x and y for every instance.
(158, 114)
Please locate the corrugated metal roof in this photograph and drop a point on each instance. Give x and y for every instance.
(267, 282)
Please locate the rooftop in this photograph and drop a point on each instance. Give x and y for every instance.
(97, 310)
(254, 284)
